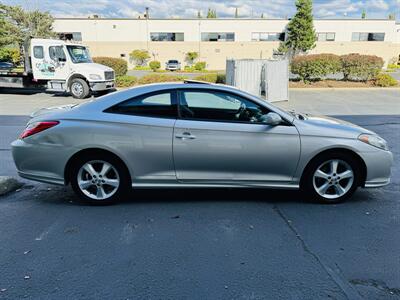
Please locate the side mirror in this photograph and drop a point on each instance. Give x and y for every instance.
(272, 119)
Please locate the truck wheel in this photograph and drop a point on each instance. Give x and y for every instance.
(79, 88)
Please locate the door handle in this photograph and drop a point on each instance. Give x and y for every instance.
(185, 136)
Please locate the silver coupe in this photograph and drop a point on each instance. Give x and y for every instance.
(193, 134)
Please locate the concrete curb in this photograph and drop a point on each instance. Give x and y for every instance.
(9, 184)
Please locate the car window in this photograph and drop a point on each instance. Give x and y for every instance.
(152, 105)
(219, 106)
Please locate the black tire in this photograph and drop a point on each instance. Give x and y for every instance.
(122, 174)
(79, 88)
(308, 185)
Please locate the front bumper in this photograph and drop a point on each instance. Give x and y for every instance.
(101, 86)
(379, 165)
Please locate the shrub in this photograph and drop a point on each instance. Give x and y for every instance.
(315, 66)
(125, 81)
(142, 68)
(10, 55)
(119, 65)
(385, 80)
(154, 65)
(361, 67)
(139, 56)
(200, 66)
(211, 77)
(393, 66)
(153, 78)
(221, 78)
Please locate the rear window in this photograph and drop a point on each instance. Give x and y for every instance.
(173, 61)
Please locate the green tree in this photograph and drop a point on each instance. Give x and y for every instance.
(392, 16)
(301, 35)
(236, 13)
(18, 25)
(363, 14)
(191, 57)
(211, 14)
(139, 56)
(262, 16)
(199, 15)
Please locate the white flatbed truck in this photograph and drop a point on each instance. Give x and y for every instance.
(59, 66)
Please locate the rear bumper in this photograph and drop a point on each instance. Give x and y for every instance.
(44, 163)
(102, 86)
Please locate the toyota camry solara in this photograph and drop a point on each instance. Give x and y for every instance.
(196, 135)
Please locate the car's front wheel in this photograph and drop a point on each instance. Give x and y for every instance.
(99, 179)
(79, 88)
(331, 178)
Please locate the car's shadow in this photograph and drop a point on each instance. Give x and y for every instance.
(65, 195)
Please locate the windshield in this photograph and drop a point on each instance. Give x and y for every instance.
(79, 54)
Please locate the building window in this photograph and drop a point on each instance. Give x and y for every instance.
(217, 36)
(326, 36)
(70, 36)
(167, 36)
(368, 36)
(267, 36)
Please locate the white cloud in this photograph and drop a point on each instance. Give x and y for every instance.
(225, 8)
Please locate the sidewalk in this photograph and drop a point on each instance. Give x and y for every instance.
(344, 101)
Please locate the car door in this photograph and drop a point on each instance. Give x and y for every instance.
(219, 137)
(142, 128)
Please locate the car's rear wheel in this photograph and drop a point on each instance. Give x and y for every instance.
(99, 179)
(331, 178)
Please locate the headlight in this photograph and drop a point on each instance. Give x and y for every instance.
(95, 77)
(374, 140)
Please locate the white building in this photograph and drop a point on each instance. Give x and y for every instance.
(218, 39)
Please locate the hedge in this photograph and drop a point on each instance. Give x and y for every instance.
(200, 66)
(385, 80)
(361, 67)
(211, 77)
(119, 65)
(125, 81)
(154, 78)
(315, 66)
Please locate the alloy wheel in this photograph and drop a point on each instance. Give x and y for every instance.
(98, 179)
(333, 179)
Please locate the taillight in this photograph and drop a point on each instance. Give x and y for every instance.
(36, 127)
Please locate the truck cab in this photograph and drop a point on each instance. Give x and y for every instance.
(68, 67)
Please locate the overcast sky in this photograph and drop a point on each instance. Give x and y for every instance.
(225, 8)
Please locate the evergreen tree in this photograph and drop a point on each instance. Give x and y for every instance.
(236, 13)
(211, 14)
(262, 16)
(17, 25)
(199, 15)
(301, 35)
(363, 14)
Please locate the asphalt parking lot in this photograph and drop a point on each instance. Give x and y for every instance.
(201, 244)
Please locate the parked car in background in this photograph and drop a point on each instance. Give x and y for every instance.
(195, 134)
(6, 66)
(173, 65)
